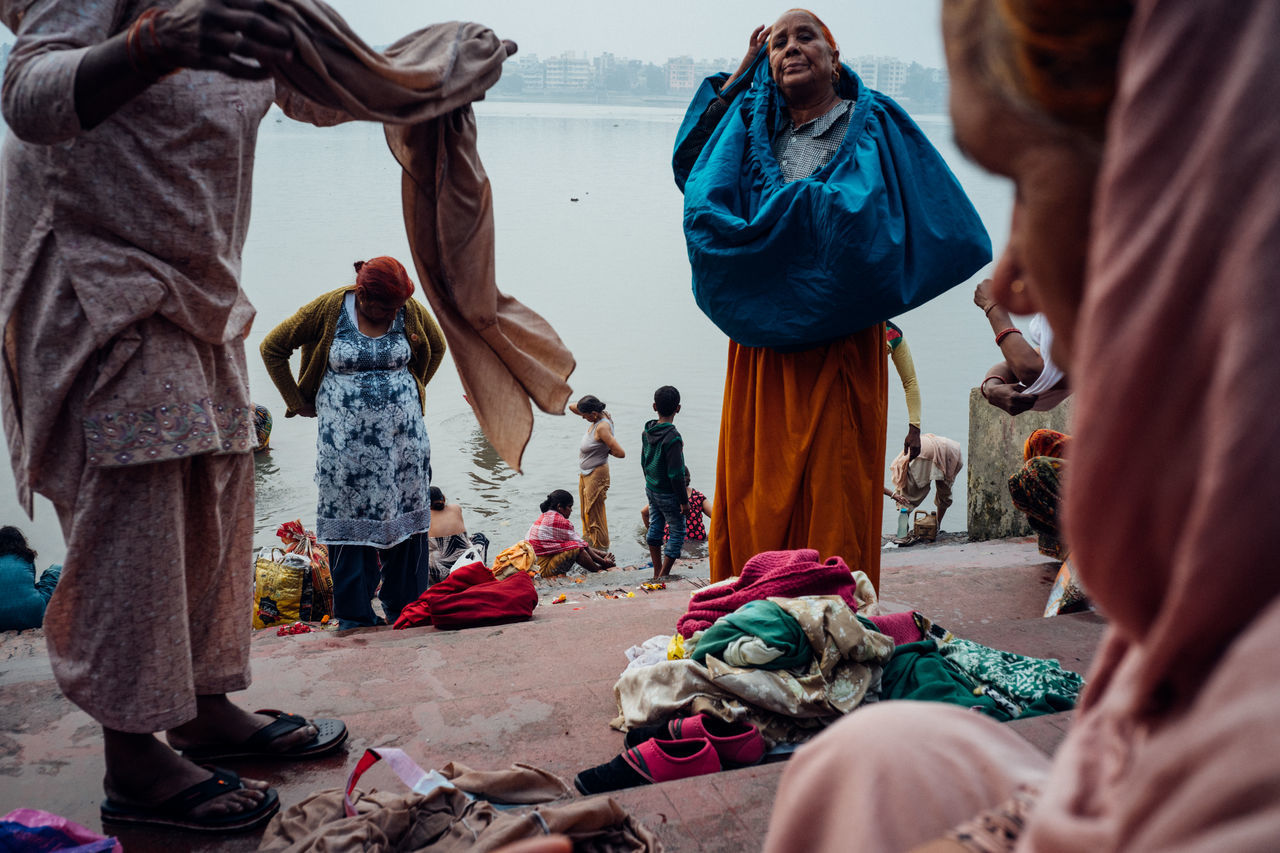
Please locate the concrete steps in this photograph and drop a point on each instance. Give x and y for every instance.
(539, 693)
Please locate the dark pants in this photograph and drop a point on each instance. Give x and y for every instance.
(356, 569)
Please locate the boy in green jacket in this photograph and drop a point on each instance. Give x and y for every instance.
(662, 459)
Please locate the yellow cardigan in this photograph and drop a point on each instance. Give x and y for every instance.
(312, 328)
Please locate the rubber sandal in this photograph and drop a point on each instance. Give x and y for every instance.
(654, 760)
(330, 735)
(736, 744)
(175, 812)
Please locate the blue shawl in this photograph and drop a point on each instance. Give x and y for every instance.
(882, 228)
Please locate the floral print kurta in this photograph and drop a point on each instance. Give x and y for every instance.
(373, 456)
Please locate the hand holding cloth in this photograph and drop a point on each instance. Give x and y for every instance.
(421, 89)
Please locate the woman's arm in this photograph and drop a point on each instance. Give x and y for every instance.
(604, 432)
(304, 327)
(906, 367)
(1021, 357)
(1001, 389)
(435, 341)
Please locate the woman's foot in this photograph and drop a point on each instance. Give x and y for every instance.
(219, 721)
(142, 771)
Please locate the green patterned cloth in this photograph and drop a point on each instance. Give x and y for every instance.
(1003, 685)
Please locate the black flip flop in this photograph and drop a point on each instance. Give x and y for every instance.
(330, 735)
(175, 812)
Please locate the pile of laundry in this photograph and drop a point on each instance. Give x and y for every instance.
(766, 660)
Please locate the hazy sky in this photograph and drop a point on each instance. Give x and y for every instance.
(655, 30)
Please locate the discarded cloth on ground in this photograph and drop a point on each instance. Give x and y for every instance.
(447, 818)
(470, 597)
(421, 89)
(758, 634)
(786, 706)
(32, 829)
(787, 574)
(922, 672)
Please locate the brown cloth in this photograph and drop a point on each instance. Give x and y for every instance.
(447, 820)
(421, 88)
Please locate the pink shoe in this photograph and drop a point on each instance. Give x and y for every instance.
(737, 744)
(652, 761)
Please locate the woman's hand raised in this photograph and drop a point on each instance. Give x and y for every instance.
(759, 37)
(240, 38)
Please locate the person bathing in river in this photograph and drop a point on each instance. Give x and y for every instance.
(557, 545)
(448, 538)
(804, 236)
(597, 446)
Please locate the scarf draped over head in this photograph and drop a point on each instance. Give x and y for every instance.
(384, 278)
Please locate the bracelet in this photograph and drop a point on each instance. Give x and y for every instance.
(982, 387)
(149, 63)
(987, 311)
(1006, 333)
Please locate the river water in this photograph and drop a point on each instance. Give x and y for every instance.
(609, 271)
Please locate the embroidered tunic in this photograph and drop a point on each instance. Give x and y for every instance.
(372, 452)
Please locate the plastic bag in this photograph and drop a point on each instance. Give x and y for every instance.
(278, 582)
(32, 829)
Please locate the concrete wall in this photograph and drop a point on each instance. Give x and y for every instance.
(995, 453)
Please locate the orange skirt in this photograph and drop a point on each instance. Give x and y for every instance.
(801, 462)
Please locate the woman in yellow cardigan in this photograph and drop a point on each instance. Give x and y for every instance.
(368, 352)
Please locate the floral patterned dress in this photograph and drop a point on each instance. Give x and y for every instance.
(373, 456)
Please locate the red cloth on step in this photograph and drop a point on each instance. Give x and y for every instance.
(787, 574)
(469, 598)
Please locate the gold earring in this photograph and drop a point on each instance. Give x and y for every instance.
(1017, 286)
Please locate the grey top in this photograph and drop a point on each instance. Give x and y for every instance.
(593, 452)
(803, 150)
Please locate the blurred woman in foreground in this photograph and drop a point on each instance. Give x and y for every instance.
(1167, 339)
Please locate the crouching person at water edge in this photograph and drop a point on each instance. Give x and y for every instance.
(368, 351)
(125, 390)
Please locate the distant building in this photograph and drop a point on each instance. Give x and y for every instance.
(886, 74)
(567, 71)
(532, 73)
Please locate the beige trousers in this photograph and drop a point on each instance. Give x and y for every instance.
(591, 491)
(153, 607)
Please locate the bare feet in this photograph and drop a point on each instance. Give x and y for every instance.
(219, 721)
(142, 771)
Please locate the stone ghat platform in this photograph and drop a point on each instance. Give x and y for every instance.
(539, 693)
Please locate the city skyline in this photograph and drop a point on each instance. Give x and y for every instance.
(656, 31)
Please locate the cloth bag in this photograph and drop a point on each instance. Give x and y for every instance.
(440, 814)
(882, 228)
(518, 558)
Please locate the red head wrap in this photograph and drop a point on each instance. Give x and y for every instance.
(384, 278)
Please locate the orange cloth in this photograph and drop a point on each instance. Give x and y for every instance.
(801, 462)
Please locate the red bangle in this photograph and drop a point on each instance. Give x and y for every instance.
(149, 63)
(1006, 333)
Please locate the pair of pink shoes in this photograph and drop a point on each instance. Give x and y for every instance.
(684, 747)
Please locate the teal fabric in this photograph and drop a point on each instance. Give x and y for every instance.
(1006, 686)
(880, 229)
(766, 620)
(22, 599)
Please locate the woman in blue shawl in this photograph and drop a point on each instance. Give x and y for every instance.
(815, 209)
